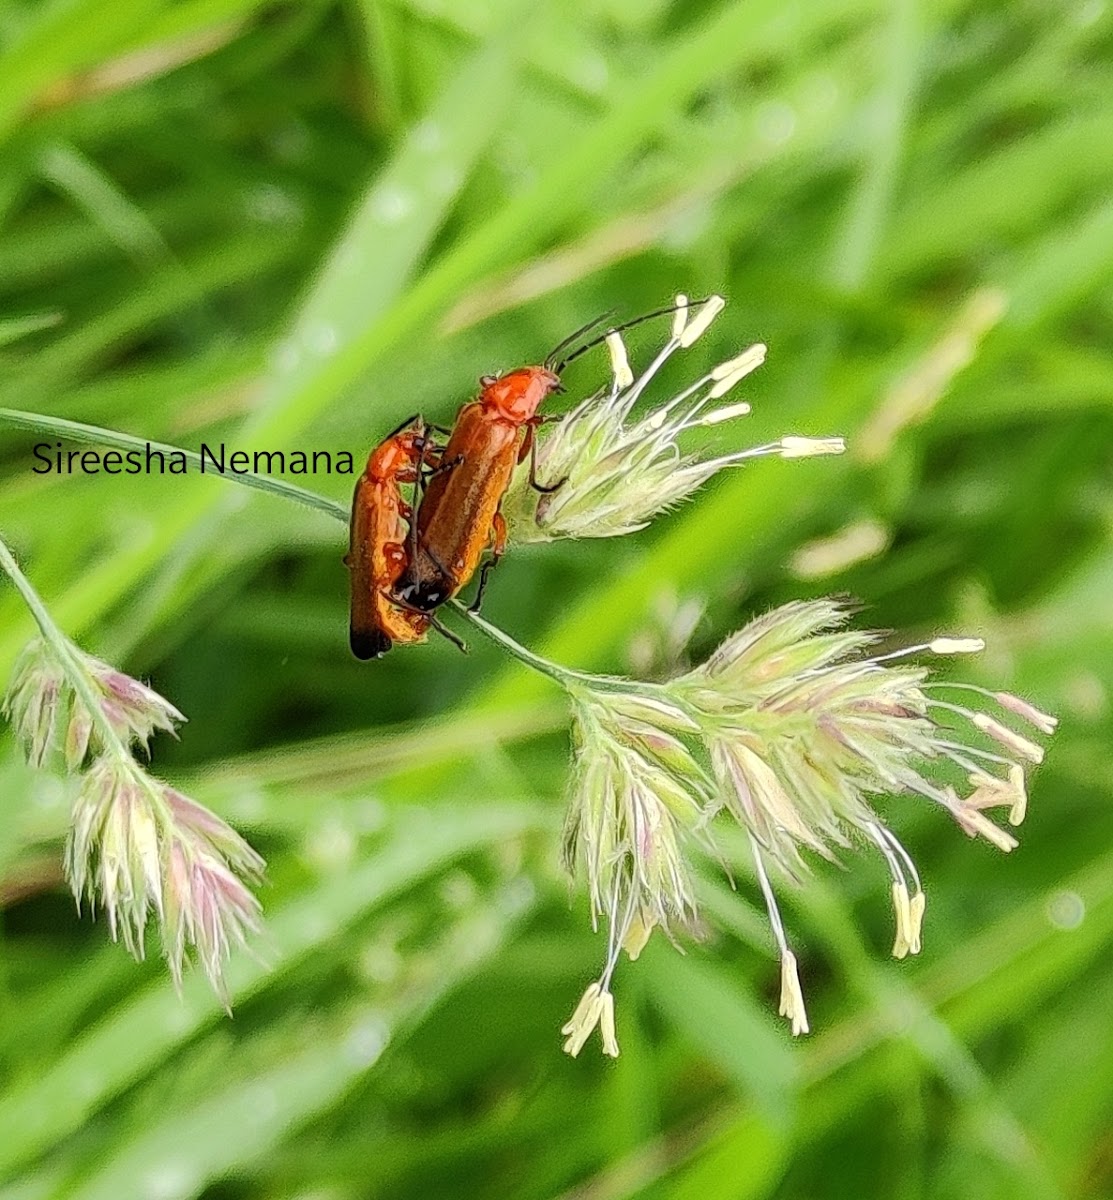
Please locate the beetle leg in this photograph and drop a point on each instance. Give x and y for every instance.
(498, 549)
(419, 492)
(434, 622)
(444, 465)
(527, 443)
(445, 632)
(546, 489)
(498, 535)
(484, 573)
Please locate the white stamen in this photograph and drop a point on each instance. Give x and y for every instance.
(1020, 804)
(741, 409)
(742, 364)
(901, 907)
(975, 822)
(792, 998)
(725, 385)
(804, 447)
(957, 752)
(909, 912)
(846, 547)
(620, 364)
(990, 791)
(916, 908)
(1044, 722)
(583, 1020)
(896, 844)
(680, 317)
(606, 1025)
(698, 325)
(1009, 738)
(949, 645)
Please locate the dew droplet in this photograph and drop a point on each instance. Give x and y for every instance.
(178, 1020)
(1066, 910)
(427, 136)
(590, 72)
(260, 1104)
(322, 339)
(776, 122)
(47, 792)
(444, 179)
(370, 815)
(391, 203)
(367, 1040)
(330, 846)
(249, 804)
(270, 205)
(518, 895)
(380, 963)
(170, 1181)
(286, 357)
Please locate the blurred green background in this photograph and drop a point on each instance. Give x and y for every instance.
(291, 225)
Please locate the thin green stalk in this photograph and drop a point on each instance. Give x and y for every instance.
(63, 651)
(565, 676)
(78, 678)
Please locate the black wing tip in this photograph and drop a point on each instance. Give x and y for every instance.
(368, 644)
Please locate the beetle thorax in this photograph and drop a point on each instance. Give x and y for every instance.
(517, 395)
(394, 457)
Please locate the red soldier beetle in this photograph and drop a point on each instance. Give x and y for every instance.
(379, 543)
(458, 517)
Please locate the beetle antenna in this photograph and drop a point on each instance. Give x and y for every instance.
(561, 346)
(598, 341)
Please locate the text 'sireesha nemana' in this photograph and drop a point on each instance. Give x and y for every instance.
(53, 459)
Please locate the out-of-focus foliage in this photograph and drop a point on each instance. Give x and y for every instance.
(291, 225)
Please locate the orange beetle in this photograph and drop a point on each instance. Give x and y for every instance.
(378, 550)
(459, 517)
